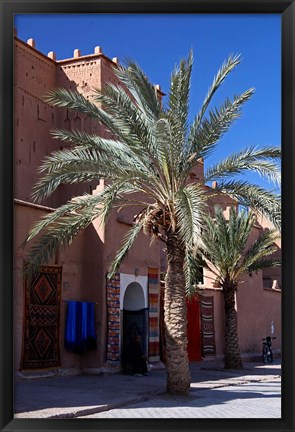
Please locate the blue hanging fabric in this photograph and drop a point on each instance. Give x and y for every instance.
(71, 335)
(80, 329)
(88, 329)
(84, 318)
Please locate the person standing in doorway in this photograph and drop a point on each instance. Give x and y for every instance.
(136, 357)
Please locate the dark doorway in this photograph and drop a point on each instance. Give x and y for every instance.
(135, 323)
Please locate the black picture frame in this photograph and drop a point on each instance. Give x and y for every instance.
(10, 7)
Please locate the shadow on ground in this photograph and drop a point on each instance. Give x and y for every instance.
(86, 391)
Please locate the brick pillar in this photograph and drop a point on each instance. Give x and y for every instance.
(113, 311)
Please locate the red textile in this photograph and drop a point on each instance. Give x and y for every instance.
(193, 330)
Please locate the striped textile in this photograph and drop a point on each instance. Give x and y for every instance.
(153, 296)
(113, 311)
(207, 325)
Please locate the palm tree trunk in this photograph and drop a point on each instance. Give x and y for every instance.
(232, 358)
(175, 320)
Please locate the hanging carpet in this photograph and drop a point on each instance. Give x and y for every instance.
(41, 324)
(207, 325)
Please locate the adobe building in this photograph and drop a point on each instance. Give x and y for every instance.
(78, 273)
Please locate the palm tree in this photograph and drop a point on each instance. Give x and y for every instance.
(152, 151)
(225, 249)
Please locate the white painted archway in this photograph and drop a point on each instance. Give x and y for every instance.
(128, 279)
(134, 297)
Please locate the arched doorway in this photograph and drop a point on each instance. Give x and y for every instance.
(135, 316)
(133, 297)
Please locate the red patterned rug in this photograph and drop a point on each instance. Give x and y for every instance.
(41, 324)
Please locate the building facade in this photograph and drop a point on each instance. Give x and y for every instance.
(77, 274)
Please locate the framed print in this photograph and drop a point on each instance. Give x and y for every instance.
(100, 121)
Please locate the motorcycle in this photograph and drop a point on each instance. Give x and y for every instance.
(267, 356)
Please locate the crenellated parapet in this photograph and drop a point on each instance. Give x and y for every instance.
(77, 54)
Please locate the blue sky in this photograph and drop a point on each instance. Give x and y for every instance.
(158, 42)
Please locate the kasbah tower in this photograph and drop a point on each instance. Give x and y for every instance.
(136, 287)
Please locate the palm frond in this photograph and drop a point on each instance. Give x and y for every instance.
(140, 87)
(137, 129)
(76, 101)
(228, 66)
(203, 139)
(104, 147)
(168, 159)
(179, 91)
(80, 164)
(239, 228)
(225, 250)
(49, 183)
(115, 195)
(189, 208)
(62, 225)
(134, 125)
(263, 246)
(74, 206)
(192, 265)
(178, 107)
(69, 170)
(73, 100)
(235, 232)
(100, 205)
(249, 159)
(59, 233)
(262, 201)
(126, 244)
(109, 152)
(231, 239)
(265, 263)
(216, 244)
